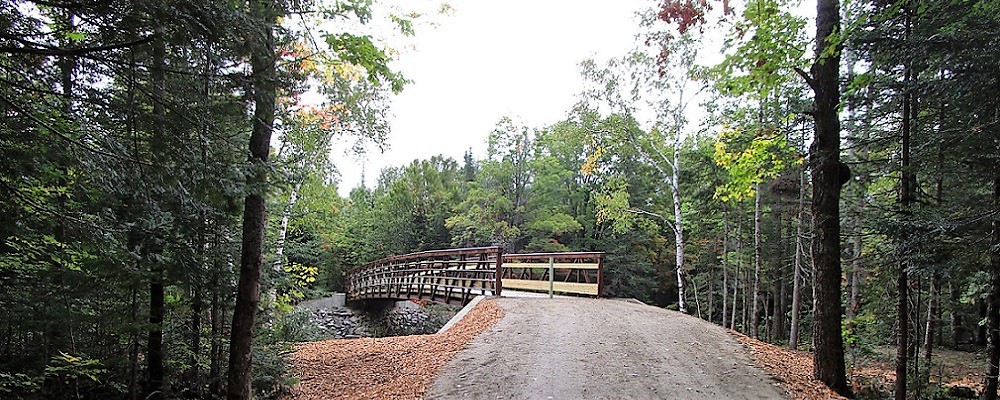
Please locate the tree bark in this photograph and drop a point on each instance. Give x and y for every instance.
(955, 318)
(194, 373)
(779, 275)
(215, 314)
(828, 174)
(754, 310)
(279, 250)
(725, 266)
(793, 334)
(906, 198)
(262, 62)
(993, 303)
(678, 225)
(154, 346)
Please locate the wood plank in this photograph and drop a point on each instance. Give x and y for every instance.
(554, 265)
(561, 287)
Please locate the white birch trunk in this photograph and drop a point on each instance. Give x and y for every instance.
(678, 225)
(279, 252)
(793, 337)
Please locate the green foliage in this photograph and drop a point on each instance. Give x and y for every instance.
(19, 384)
(482, 220)
(750, 162)
(68, 369)
(360, 50)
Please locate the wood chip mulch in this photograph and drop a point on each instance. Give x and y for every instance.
(399, 367)
(793, 368)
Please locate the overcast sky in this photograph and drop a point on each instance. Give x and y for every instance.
(490, 59)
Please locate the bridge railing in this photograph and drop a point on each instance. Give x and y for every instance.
(448, 276)
(570, 272)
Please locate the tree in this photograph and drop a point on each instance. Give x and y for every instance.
(828, 176)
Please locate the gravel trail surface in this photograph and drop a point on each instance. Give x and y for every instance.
(601, 349)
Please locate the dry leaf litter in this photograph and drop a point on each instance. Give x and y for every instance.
(400, 367)
(793, 368)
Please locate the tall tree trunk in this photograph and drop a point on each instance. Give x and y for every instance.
(993, 303)
(793, 334)
(279, 250)
(725, 266)
(215, 315)
(678, 225)
(754, 319)
(194, 373)
(262, 62)
(779, 276)
(154, 348)
(829, 175)
(955, 318)
(857, 265)
(931, 324)
(711, 295)
(906, 198)
(736, 295)
(134, 338)
(981, 330)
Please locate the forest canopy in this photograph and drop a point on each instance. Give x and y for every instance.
(169, 195)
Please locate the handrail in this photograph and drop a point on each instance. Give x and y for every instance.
(556, 272)
(458, 275)
(450, 276)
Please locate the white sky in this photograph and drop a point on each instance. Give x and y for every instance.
(489, 59)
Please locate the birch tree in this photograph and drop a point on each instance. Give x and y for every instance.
(638, 85)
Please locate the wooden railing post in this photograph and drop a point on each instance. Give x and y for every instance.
(552, 276)
(498, 286)
(600, 275)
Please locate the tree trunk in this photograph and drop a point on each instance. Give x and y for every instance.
(678, 226)
(955, 318)
(725, 267)
(279, 250)
(262, 62)
(754, 319)
(133, 356)
(981, 330)
(779, 277)
(154, 342)
(711, 295)
(793, 334)
(931, 324)
(907, 192)
(854, 299)
(194, 373)
(736, 295)
(215, 365)
(829, 175)
(993, 304)
(154, 347)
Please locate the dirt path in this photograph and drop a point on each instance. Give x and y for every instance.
(601, 349)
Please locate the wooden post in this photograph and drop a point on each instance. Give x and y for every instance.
(498, 286)
(552, 278)
(600, 275)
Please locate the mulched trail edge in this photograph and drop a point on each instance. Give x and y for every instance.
(794, 369)
(401, 367)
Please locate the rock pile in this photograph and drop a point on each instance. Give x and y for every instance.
(346, 323)
(341, 323)
(419, 321)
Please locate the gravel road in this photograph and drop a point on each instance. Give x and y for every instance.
(601, 349)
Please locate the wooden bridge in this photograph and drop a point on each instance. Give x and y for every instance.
(456, 276)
